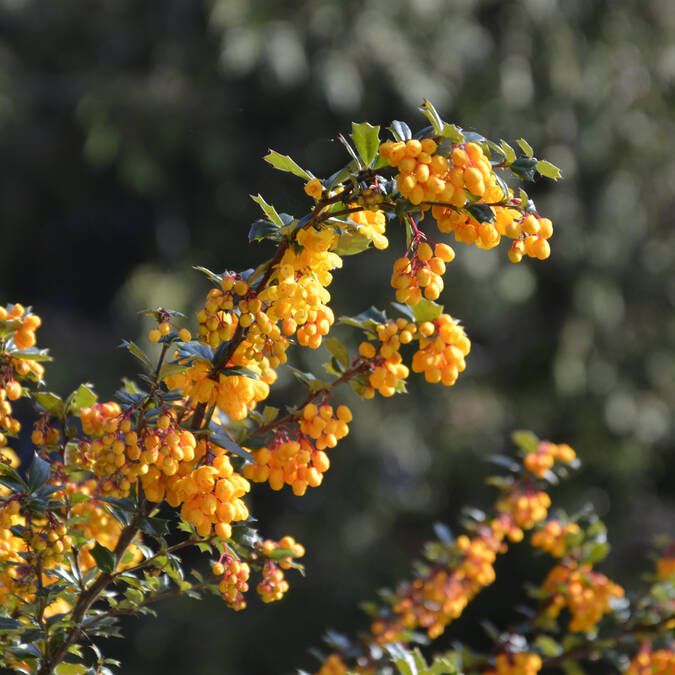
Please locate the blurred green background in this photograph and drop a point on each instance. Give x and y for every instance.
(131, 134)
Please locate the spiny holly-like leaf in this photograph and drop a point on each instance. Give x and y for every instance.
(432, 115)
(189, 351)
(525, 440)
(38, 473)
(263, 229)
(308, 379)
(400, 130)
(525, 147)
(426, 310)
(404, 309)
(52, 403)
(220, 437)
(453, 133)
(351, 243)
(82, 397)
(366, 138)
(285, 163)
(32, 354)
(338, 350)
(215, 278)
(268, 210)
(524, 168)
(508, 152)
(138, 353)
(269, 414)
(547, 169)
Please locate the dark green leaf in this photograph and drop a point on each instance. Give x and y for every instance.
(190, 351)
(38, 473)
(524, 168)
(263, 229)
(481, 212)
(9, 624)
(105, 559)
(155, 527)
(406, 310)
(221, 438)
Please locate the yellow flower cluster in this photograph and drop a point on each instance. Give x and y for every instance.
(516, 664)
(443, 346)
(386, 363)
(211, 497)
(371, 224)
(297, 293)
(423, 271)
(648, 662)
(425, 176)
(553, 537)
(584, 592)
(235, 395)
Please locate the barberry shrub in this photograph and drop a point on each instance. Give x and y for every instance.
(81, 537)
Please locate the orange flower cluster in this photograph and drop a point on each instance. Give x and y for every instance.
(584, 592)
(300, 461)
(553, 537)
(648, 662)
(516, 664)
(543, 459)
(12, 366)
(234, 581)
